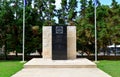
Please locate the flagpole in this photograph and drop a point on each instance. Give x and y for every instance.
(23, 33)
(95, 33)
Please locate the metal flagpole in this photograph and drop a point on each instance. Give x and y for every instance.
(23, 32)
(95, 5)
(95, 37)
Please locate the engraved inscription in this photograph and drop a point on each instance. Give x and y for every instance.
(59, 29)
(59, 42)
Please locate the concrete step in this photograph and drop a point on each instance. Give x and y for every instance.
(61, 72)
(48, 63)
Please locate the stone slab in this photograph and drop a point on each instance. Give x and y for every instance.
(71, 42)
(61, 72)
(47, 42)
(48, 63)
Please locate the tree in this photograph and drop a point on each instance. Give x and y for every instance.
(83, 8)
(72, 12)
(6, 18)
(85, 34)
(63, 16)
(49, 12)
(32, 19)
(115, 22)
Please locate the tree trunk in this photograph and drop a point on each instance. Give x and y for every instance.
(5, 52)
(5, 48)
(39, 51)
(115, 49)
(16, 54)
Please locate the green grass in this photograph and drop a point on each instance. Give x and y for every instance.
(8, 68)
(110, 67)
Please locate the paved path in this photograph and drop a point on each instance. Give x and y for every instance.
(61, 72)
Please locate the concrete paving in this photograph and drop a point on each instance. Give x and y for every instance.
(61, 70)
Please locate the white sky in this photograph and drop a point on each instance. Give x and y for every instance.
(57, 3)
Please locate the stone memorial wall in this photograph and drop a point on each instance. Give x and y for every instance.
(47, 42)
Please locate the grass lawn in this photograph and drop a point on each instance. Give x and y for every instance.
(110, 67)
(8, 68)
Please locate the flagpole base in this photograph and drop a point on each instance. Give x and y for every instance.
(23, 61)
(96, 61)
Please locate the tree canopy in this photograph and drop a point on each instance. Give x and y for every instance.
(44, 13)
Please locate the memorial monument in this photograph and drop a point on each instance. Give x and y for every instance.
(59, 42)
(59, 57)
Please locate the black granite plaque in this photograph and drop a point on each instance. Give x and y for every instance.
(59, 42)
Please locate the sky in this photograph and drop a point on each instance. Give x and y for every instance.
(108, 2)
(57, 3)
(103, 2)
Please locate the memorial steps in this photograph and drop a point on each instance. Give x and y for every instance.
(60, 68)
(48, 63)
